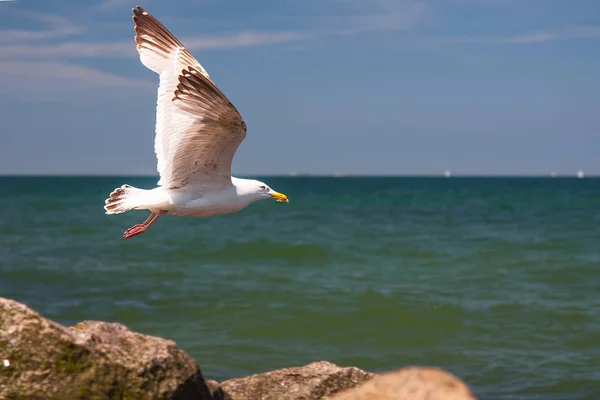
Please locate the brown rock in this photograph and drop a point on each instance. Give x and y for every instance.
(412, 383)
(311, 382)
(92, 360)
(40, 359)
(216, 391)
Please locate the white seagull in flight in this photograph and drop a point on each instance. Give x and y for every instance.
(197, 134)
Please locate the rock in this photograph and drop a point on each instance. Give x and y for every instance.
(40, 359)
(311, 382)
(412, 383)
(216, 391)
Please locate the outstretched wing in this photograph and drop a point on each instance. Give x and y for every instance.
(198, 130)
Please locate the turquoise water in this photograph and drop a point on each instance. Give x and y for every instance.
(494, 279)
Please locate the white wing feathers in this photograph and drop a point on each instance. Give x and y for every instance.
(159, 49)
(197, 129)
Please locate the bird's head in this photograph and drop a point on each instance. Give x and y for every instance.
(265, 192)
(257, 190)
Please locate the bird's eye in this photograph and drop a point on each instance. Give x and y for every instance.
(263, 187)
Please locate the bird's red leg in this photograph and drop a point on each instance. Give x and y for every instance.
(141, 228)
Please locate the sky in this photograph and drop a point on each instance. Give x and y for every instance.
(375, 87)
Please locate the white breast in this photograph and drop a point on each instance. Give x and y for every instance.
(191, 203)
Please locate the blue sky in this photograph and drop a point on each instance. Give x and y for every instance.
(354, 86)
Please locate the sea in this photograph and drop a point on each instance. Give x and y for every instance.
(496, 280)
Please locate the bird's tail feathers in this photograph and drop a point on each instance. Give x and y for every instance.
(123, 199)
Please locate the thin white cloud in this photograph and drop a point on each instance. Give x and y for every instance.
(358, 16)
(30, 68)
(109, 4)
(55, 26)
(582, 32)
(69, 50)
(48, 79)
(120, 49)
(241, 39)
(379, 15)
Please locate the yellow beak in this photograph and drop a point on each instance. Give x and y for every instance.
(280, 197)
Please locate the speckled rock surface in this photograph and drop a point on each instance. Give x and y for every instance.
(40, 359)
(412, 383)
(314, 381)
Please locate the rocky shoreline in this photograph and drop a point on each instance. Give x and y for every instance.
(41, 359)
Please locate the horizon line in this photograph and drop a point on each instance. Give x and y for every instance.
(310, 175)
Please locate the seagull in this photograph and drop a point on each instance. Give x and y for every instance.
(198, 131)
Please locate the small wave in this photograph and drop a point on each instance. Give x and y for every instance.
(256, 250)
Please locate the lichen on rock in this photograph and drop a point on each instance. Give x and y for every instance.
(92, 360)
(314, 381)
